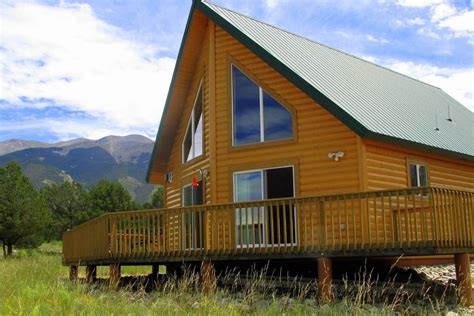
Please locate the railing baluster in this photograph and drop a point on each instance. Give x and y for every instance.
(354, 229)
(346, 224)
(368, 219)
(390, 213)
(376, 221)
(338, 211)
(424, 226)
(407, 220)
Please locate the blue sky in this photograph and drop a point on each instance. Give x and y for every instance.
(94, 68)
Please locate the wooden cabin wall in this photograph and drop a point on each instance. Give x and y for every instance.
(316, 133)
(387, 168)
(183, 173)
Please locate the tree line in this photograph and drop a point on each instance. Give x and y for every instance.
(29, 216)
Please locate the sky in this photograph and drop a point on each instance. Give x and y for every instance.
(95, 68)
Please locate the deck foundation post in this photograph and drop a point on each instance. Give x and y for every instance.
(463, 278)
(91, 273)
(208, 275)
(114, 275)
(73, 272)
(325, 280)
(155, 270)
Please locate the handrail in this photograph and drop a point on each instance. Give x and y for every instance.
(394, 220)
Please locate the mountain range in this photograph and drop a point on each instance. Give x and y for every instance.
(122, 159)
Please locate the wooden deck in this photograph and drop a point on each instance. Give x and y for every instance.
(416, 221)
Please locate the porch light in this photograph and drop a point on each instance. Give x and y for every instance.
(336, 155)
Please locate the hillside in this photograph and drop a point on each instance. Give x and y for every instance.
(118, 158)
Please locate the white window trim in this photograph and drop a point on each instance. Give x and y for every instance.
(417, 170)
(193, 125)
(261, 111)
(264, 197)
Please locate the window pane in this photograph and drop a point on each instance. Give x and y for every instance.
(423, 177)
(246, 109)
(276, 119)
(187, 152)
(413, 176)
(198, 194)
(187, 196)
(248, 186)
(198, 125)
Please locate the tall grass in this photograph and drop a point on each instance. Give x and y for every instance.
(35, 283)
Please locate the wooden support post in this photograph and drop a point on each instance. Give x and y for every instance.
(463, 278)
(325, 279)
(114, 275)
(73, 272)
(208, 275)
(91, 273)
(155, 270)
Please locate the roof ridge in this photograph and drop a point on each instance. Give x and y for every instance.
(206, 2)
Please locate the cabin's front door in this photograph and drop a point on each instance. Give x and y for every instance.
(275, 224)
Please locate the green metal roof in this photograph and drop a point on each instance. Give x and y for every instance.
(375, 102)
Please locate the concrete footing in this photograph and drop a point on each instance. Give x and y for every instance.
(325, 280)
(463, 278)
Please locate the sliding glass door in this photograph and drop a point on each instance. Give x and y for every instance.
(260, 226)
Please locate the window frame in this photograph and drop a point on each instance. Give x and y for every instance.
(263, 242)
(195, 238)
(417, 163)
(262, 89)
(191, 123)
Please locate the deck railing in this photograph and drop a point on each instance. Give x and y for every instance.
(391, 221)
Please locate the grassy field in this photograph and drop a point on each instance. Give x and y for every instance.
(35, 283)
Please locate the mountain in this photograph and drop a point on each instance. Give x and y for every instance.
(118, 158)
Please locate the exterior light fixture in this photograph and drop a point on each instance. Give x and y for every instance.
(336, 155)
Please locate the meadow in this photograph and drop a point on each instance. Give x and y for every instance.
(35, 283)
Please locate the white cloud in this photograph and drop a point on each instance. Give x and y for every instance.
(458, 83)
(442, 11)
(426, 31)
(377, 40)
(418, 3)
(461, 24)
(66, 54)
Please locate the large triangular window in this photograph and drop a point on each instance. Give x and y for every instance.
(256, 116)
(193, 139)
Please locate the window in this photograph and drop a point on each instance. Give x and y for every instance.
(193, 139)
(192, 219)
(193, 195)
(257, 117)
(256, 226)
(418, 175)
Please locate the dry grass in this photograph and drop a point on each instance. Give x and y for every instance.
(36, 283)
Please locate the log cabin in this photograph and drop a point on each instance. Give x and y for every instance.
(275, 147)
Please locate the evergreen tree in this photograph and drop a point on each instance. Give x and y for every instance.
(69, 204)
(23, 212)
(108, 196)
